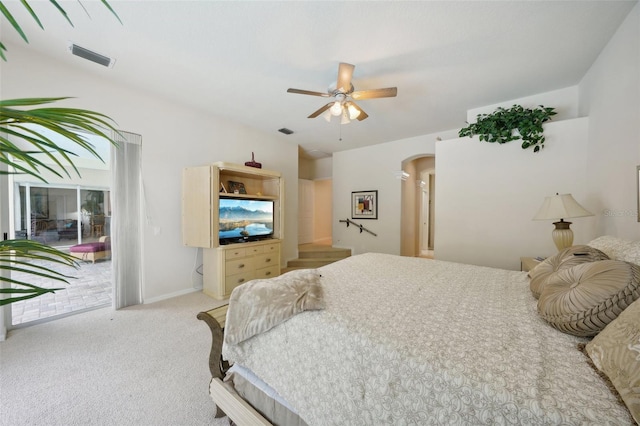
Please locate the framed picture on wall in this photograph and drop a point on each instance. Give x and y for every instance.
(364, 205)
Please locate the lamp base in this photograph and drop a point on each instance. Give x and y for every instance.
(562, 235)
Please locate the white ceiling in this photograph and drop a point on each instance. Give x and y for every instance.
(236, 59)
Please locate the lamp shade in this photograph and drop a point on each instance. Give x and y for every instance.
(560, 207)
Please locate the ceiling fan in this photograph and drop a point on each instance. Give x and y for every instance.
(344, 95)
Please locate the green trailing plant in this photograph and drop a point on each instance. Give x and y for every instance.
(505, 125)
(22, 147)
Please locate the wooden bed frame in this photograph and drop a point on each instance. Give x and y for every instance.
(227, 400)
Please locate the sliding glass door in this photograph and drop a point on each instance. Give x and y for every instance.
(61, 216)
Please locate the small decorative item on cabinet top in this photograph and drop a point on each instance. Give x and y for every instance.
(253, 163)
(237, 187)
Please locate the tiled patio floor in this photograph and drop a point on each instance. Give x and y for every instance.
(91, 287)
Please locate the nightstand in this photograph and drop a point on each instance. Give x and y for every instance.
(528, 263)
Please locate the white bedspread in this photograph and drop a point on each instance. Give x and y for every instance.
(408, 341)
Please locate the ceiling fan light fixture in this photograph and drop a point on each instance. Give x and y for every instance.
(336, 109)
(345, 117)
(353, 112)
(327, 115)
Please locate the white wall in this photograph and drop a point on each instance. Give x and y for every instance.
(564, 101)
(602, 151)
(374, 168)
(323, 168)
(610, 96)
(173, 137)
(487, 195)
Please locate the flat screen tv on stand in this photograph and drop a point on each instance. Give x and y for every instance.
(244, 220)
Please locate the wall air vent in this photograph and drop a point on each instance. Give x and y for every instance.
(286, 131)
(91, 56)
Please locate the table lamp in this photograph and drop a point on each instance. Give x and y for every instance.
(561, 207)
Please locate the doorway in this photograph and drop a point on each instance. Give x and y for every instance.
(64, 213)
(426, 213)
(315, 211)
(418, 206)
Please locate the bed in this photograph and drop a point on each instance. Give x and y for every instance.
(411, 341)
(91, 252)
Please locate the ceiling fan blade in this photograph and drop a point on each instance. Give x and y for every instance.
(362, 115)
(345, 72)
(308, 92)
(388, 92)
(321, 110)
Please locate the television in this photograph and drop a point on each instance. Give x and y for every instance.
(244, 220)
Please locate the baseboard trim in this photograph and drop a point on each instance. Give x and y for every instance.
(170, 295)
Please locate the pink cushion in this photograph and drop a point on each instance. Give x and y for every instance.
(90, 247)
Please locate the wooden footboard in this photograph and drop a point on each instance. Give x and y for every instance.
(223, 395)
(217, 365)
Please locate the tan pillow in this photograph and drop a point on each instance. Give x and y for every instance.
(616, 353)
(583, 299)
(567, 258)
(259, 305)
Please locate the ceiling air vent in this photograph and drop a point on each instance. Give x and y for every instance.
(286, 131)
(91, 56)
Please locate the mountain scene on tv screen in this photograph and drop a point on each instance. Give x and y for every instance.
(239, 221)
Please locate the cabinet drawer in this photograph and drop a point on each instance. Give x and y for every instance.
(235, 253)
(237, 266)
(270, 272)
(255, 250)
(233, 281)
(271, 248)
(264, 260)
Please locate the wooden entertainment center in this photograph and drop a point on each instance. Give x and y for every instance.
(225, 266)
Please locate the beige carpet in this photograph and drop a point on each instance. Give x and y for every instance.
(143, 365)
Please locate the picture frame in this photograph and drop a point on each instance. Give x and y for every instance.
(638, 187)
(236, 187)
(364, 204)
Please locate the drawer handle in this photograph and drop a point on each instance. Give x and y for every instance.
(267, 260)
(268, 273)
(241, 280)
(240, 266)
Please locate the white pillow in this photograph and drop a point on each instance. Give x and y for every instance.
(259, 305)
(618, 249)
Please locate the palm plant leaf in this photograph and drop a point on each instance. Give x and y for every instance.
(9, 17)
(13, 21)
(70, 123)
(18, 256)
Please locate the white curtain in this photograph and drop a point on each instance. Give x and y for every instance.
(126, 219)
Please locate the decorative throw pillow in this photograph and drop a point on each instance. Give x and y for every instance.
(616, 353)
(259, 305)
(583, 299)
(567, 258)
